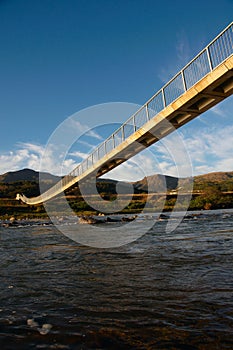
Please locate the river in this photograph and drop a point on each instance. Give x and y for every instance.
(162, 291)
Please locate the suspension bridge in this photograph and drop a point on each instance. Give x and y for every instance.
(204, 82)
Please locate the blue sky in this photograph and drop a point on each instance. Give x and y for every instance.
(59, 57)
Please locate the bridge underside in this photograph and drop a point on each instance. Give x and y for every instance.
(209, 91)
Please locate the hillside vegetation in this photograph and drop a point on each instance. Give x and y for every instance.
(210, 191)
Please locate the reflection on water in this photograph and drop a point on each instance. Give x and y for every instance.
(163, 291)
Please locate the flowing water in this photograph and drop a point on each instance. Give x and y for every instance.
(163, 291)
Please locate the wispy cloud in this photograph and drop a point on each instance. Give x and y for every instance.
(211, 150)
(84, 129)
(78, 154)
(95, 135)
(182, 55)
(132, 169)
(208, 150)
(85, 143)
(29, 155)
(223, 110)
(183, 48)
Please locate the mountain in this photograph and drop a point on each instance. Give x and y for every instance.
(27, 175)
(215, 177)
(222, 179)
(157, 182)
(17, 180)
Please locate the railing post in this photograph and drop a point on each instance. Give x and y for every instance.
(123, 133)
(147, 112)
(134, 125)
(209, 58)
(164, 99)
(184, 82)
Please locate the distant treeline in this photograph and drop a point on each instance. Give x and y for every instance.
(210, 191)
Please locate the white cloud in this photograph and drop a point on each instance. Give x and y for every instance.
(11, 161)
(128, 171)
(78, 154)
(85, 143)
(29, 155)
(180, 59)
(38, 149)
(94, 134)
(183, 48)
(211, 150)
(149, 162)
(84, 129)
(219, 111)
(203, 151)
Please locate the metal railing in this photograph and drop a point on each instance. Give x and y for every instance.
(208, 59)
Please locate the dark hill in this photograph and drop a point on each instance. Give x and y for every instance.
(215, 177)
(158, 183)
(27, 181)
(27, 175)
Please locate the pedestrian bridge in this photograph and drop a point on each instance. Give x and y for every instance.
(202, 83)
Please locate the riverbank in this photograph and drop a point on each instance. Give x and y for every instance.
(22, 212)
(210, 191)
(93, 219)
